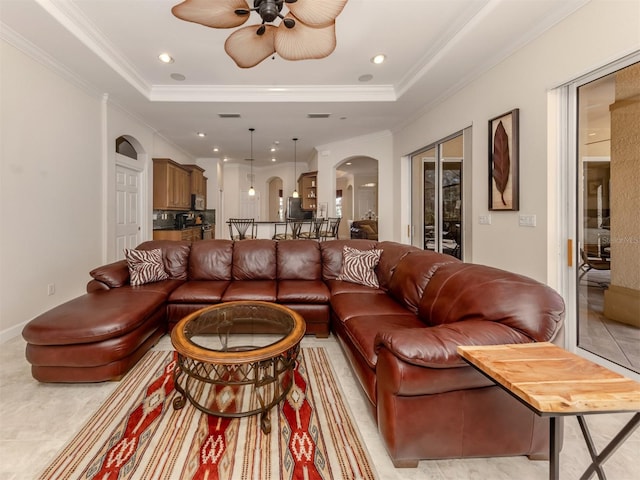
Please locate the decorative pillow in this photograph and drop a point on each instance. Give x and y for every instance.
(145, 266)
(358, 266)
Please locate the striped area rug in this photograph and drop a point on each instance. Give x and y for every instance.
(137, 434)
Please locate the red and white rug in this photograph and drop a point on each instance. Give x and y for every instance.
(137, 434)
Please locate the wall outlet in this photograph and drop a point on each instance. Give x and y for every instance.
(484, 219)
(527, 220)
(51, 289)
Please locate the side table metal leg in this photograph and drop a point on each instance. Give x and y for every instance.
(598, 460)
(554, 448)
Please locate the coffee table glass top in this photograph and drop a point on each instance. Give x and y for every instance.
(238, 332)
(236, 328)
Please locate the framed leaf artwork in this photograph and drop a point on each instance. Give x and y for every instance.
(503, 162)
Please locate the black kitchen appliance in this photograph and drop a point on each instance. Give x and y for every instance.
(294, 209)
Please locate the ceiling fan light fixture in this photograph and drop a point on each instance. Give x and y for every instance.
(307, 31)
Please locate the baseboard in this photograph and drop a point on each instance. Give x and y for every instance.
(12, 332)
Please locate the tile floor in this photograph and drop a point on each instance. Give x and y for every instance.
(618, 342)
(38, 419)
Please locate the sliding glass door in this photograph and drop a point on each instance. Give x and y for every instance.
(608, 225)
(437, 197)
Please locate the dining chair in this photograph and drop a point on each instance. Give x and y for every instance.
(589, 263)
(331, 229)
(315, 227)
(238, 228)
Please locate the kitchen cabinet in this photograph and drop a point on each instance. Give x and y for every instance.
(307, 189)
(191, 234)
(171, 185)
(198, 181)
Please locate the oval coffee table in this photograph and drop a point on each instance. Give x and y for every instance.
(237, 359)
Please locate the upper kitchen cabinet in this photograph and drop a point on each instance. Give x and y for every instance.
(171, 185)
(307, 189)
(198, 180)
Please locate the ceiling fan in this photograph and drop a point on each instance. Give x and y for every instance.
(306, 31)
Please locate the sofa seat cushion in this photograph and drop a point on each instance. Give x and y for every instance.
(362, 331)
(262, 290)
(94, 317)
(348, 305)
(337, 287)
(99, 353)
(302, 291)
(199, 291)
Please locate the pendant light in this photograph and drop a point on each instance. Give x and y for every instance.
(252, 191)
(295, 172)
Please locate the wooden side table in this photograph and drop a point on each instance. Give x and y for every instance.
(553, 382)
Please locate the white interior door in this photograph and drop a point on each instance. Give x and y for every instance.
(128, 223)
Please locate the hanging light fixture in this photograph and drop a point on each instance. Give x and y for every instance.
(252, 191)
(295, 172)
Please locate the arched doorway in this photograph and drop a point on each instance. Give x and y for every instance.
(128, 195)
(276, 202)
(356, 192)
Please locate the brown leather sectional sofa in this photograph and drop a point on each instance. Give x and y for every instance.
(400, 338)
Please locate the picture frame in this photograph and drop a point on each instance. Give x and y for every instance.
(504, 162)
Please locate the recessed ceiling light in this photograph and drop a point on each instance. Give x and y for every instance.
(348, 163)
(378, 59)
(201, 134)
(215, 149)
(365, 78)
(273, 149)
(178, 77)
(165, 58)
(225, 159)
(273, 159)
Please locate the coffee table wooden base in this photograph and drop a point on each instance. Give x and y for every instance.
(212, 388)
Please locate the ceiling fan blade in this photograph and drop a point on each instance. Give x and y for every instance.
(212, 13)
(248, 49)
(303, 42)
(317, 13)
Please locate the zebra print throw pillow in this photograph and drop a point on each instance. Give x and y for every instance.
(358, 266)
(145, 266)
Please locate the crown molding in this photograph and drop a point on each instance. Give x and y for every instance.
(265, 93)
(37, 54)
(71, 18)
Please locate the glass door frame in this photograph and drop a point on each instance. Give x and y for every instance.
(563, 102)
(417, 196)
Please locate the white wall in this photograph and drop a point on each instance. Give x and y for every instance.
(378, 146)
(50, 189)
(57, 182)
(595, 35)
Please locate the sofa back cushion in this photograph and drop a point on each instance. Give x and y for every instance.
(211, 260)
(175, 255)
(463, 291)
(392, 253)
(254, 260)
(412, 274)
(298, 260)
(331, 251)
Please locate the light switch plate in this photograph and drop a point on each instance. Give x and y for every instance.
(484, 219)
(527, 220)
